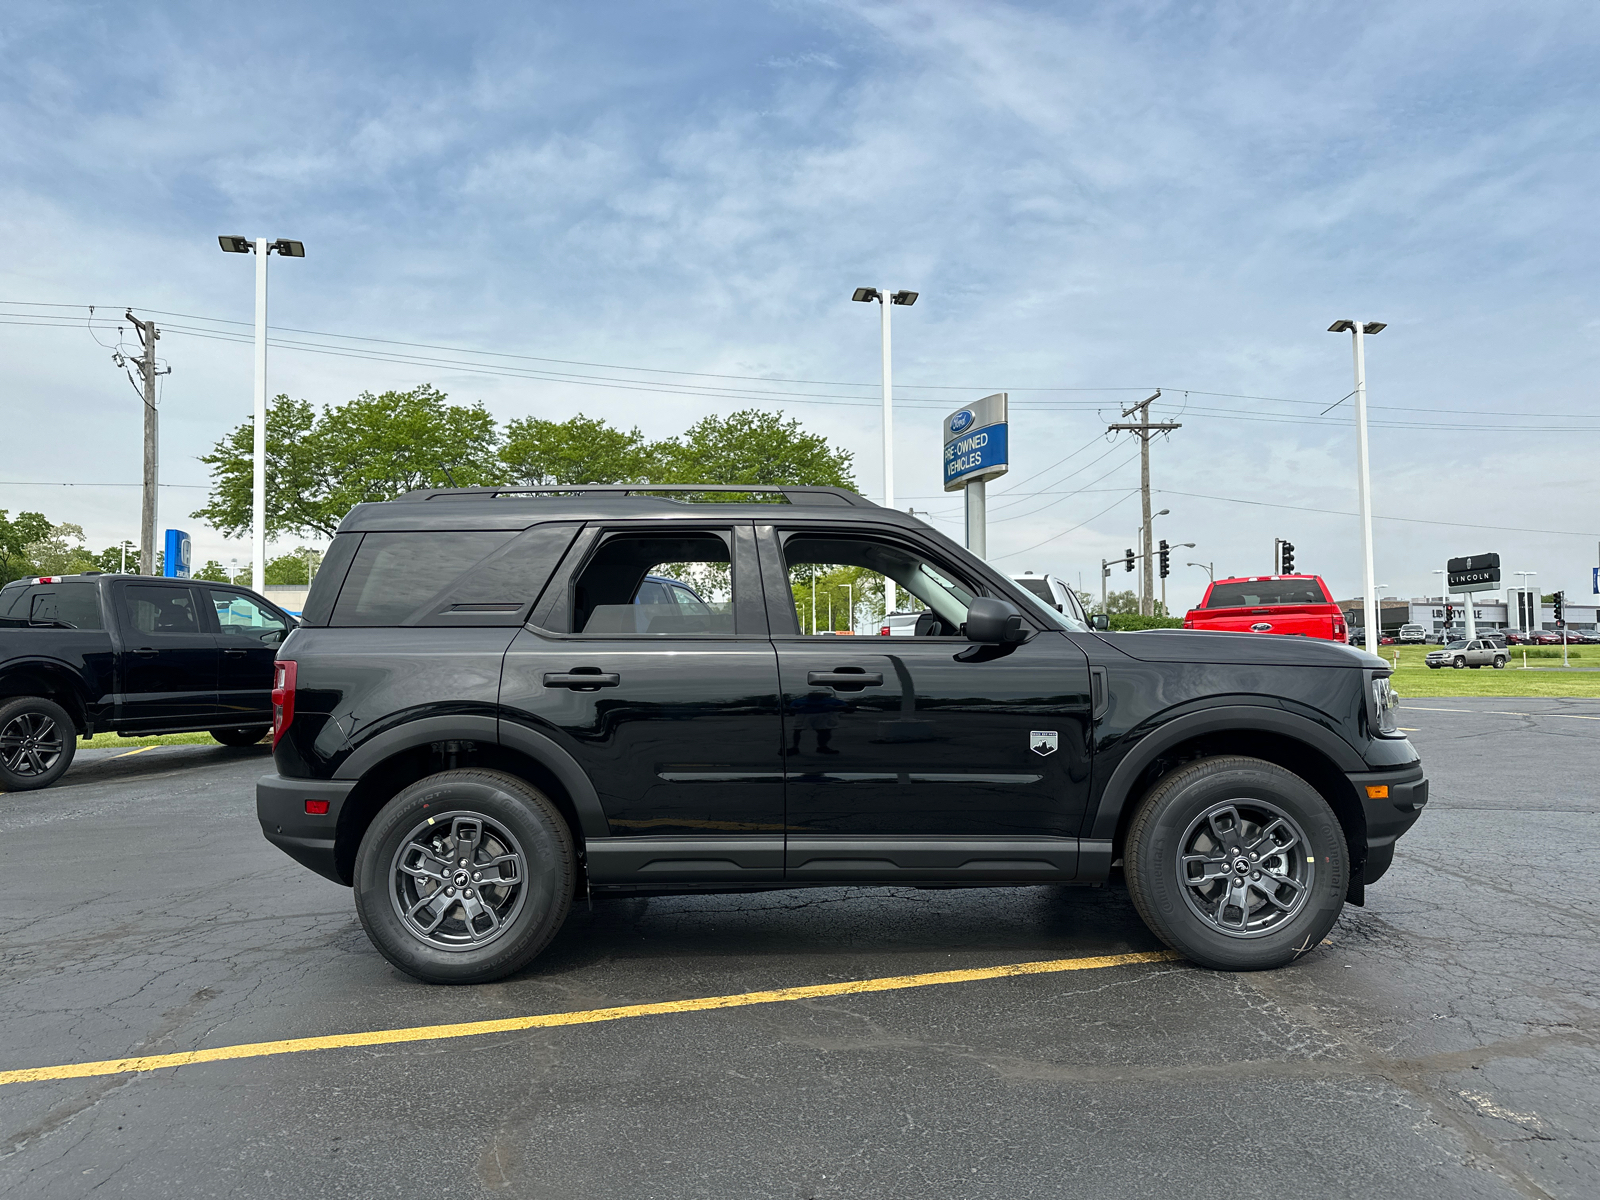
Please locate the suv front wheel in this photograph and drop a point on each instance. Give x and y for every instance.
(465, 876)
(1237, 864)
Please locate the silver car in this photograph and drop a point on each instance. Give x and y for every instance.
(1480, 652)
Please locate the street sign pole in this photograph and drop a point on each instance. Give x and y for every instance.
(976, 449)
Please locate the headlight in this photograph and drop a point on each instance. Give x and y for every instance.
(1385, 707)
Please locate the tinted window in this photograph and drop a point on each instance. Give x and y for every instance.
(52, 606)
(1037, 587)
(613, 596)
(1252, 593)
(162, 609)
(396, 575)
(243, 620)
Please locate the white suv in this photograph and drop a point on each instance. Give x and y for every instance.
(1412, 635)
(1053, 590)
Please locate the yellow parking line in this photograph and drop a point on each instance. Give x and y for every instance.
(427, 1033)
(140, 750)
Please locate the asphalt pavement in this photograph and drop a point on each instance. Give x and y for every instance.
(1445, 1042)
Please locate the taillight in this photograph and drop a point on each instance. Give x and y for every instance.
(884, 632)
(283, 679)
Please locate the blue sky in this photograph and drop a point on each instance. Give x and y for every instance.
(1115, 196)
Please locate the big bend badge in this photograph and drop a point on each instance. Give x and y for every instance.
(1043, 741)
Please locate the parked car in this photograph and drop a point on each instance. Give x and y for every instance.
(1480, 652)
(899, 624)
(1547, 637)
(1054, 591)
(1285, 604)
(128, 654)
(455, 740)
(1412, 635)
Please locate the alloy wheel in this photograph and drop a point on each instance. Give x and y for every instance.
(457, 881)
(1245, 867)
(31, 744)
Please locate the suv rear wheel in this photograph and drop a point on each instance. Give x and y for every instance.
(1237, 864)
(37, 742)
(465, 876)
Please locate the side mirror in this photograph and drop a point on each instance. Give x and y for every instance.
(1100, 621)
(993, 621)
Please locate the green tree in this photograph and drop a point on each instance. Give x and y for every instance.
(752, 446)
(212, 572)
(299, 567)
(15, 538)
(578, 450)
(61, 551)
(321, 464)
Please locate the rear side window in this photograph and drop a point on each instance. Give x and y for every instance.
(450, 577)
(162, 609)
(1250, 593)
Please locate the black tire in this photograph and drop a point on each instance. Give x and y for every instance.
(1459, 663)
(425, 827)
(1499, 664)
(1172, 819)
(37, 743)
(248, 736)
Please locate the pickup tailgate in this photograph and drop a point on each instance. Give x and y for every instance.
(1308, 620)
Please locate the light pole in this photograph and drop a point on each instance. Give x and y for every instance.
(1147, 575)
(885, 299)
(1357, 329)
(1533, 606)
(258, 491)
(1163, 574)
(1209, 568)
(1444, 598)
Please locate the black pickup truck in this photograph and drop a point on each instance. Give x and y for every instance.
(485, 713)
(128, 654)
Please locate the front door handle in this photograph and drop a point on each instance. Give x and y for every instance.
(147, 653)
(235, 653)
(582, 679)
(845, 679)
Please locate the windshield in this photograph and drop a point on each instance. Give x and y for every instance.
(1248, 593)
(1057, 620)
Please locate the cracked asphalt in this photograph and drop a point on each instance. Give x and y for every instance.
(1445, 1043)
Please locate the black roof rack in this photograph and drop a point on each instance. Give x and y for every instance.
(794, 494)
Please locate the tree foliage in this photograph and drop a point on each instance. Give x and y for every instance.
(752, 446)
(578, 450)
(15, 538)
(321, 464)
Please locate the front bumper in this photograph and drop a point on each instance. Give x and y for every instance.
(306, 838)
(1392, 801)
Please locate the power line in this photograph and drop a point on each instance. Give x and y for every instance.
(1079, 525)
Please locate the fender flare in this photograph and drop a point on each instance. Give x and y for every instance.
(55, 671)
(1246, 718)
(477, 728)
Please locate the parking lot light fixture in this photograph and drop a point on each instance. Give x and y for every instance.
(1357, 329)
(886, 300)
(262, 248)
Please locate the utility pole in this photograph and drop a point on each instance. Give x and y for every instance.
(1145, 429)
(148, 336)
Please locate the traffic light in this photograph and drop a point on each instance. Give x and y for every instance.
(1449, 615)
(1288, 559)
(1561, 609)
(1166, 559)
(1127, 561)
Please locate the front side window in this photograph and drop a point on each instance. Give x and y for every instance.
(162, 609)
(661, 585)
(845, 585)
(243, 620)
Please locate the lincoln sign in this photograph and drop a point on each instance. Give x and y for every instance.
(1475, 573)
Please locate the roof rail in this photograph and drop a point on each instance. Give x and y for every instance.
(793, 493)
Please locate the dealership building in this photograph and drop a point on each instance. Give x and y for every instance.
(1488, 613)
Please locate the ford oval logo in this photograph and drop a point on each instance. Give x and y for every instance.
(961, 420)
(1260, 627)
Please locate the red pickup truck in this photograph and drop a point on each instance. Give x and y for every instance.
(1295, 604)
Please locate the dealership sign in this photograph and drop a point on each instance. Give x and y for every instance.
(976, 443)
(1475, 573)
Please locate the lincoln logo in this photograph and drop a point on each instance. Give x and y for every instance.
(960, 421)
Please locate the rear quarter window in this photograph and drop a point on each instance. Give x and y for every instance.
(52, 606)
(449, 577)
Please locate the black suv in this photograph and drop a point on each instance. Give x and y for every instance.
(481, 717)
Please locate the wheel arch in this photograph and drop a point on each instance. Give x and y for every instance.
(50, 681)
(396, 758)
(1295, 743)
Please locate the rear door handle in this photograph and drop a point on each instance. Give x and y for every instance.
(235, 653)
(147, 653)
(844, 678)
(582, 679)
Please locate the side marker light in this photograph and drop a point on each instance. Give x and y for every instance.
(1377, 791)
(316, 808)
